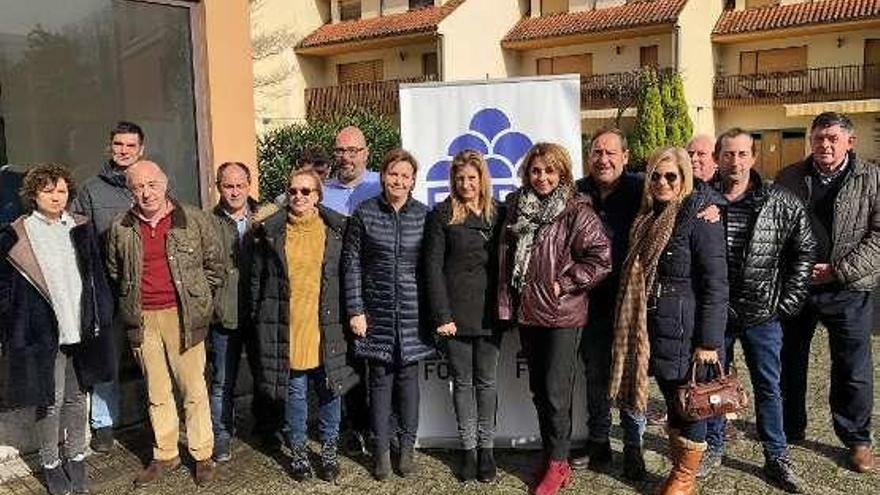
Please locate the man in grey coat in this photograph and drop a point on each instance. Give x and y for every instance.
(102, 198)
(842, 194)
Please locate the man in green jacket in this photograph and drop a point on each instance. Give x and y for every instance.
(166, 262)
(842, 195)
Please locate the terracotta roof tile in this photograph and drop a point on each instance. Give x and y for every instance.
(796, 14)
(630, 15)
(411, 22)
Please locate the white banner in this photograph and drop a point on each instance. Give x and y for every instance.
(502, 119)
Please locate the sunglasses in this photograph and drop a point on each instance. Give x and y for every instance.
(303, 191)
(670, 177)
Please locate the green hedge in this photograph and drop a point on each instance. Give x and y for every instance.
(278, 150)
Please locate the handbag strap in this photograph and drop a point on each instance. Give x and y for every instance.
(717, 365)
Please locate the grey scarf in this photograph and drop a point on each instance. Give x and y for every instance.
(533, 213)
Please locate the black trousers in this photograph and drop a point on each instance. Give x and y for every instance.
(552, 354)
(394, 389)
(474, 363)
(356, 411)
(848, 317)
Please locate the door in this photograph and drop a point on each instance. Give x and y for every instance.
(872, 63)
(771, 154)
(793, 147)
(648, 55)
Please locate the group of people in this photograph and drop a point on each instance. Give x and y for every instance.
(346, 282)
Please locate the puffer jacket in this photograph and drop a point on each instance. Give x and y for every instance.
(194, 256)
(778, 260)
(227, 303)
(382, 264)
(855, 252)
(29, 328)
(270, 302)
(687, 308)
(573, 251)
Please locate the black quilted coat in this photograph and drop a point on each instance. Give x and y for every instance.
(382, 261)
(855, 254)
(779, 258)
(688, 305)
(269, 292)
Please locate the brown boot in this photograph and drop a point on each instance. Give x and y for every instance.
(682, 479)
(206, 471)
(156, 470)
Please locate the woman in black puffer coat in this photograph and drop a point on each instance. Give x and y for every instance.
(672, 303)
(382, 290)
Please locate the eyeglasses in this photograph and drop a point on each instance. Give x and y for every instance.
(303, 191)
(347, 151)
(670, 177)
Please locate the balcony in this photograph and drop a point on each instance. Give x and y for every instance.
(821, 84)
(614, 90)
(380, 97)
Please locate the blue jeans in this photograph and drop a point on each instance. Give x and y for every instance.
(762, 347)
(226, 348)
(297, 414)
(596, 343)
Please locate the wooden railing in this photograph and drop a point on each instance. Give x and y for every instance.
(614, 90)
(379, 97)
(849, 82)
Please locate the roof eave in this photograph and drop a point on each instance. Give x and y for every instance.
(590, 37)
(802, 30)
(364, 44)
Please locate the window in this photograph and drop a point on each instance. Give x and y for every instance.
(553, 6)
(68, 74)
(568, 64)
(419, 4)
(648, 56)
(430, 66)
(349, 10)
(358, 72)
(776, 60)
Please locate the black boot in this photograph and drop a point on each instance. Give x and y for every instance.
(633, 464)
(406, 465)
(468, 470)
(300, 467)
(487, 470)
(329, 461)
(56, 480)
(382, 465)
(76, 473)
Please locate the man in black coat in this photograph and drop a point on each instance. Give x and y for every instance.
(842, 193)
(616, 195)
(769, 257)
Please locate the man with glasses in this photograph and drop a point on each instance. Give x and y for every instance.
(842, 193)
(102, 198)
(769, 258)
(352, 183)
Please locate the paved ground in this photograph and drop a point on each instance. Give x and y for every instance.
(255, 471)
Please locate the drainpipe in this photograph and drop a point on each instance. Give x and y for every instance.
(676, 46)
(441, 61)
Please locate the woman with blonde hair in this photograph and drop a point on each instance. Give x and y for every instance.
(461, 236)
(553, 250)
(672, 304)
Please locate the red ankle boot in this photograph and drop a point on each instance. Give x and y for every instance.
(557, 477)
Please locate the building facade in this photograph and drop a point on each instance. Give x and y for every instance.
(767, 66)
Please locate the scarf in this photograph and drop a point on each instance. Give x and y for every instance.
(632, 349)
(533, 213)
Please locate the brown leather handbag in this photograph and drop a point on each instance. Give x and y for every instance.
(698, 401)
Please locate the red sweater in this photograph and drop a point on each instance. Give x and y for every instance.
(157, 285)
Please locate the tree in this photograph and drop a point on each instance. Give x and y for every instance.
(278, 150)
(649, 132)
(679, 126)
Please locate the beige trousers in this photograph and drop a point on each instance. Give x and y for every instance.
(161, 361)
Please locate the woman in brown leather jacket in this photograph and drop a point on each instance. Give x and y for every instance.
(553, 250)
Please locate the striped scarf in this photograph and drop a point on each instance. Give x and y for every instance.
(632, 349)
